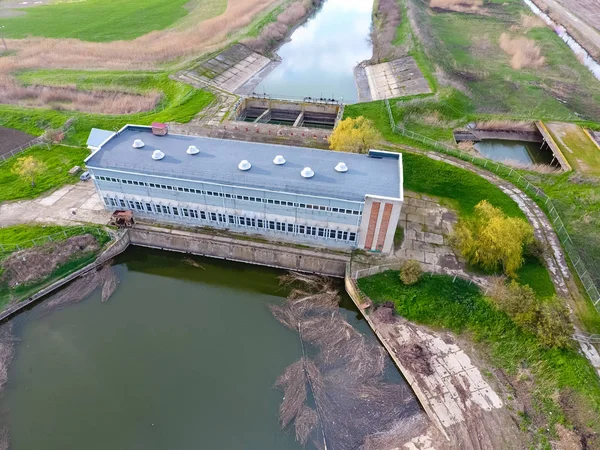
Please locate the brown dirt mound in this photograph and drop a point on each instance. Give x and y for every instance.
(523, 52)
(36, 263)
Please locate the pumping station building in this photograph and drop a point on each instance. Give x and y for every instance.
(313, 197)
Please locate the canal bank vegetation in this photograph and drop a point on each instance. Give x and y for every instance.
(33, 256)
(268, 34)
(550, 389)
(178, 102)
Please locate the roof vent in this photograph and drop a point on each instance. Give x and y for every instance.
(138, 143)
(192, 150)
(244, 165)
(341, 167)
(157, 155)
(279, 160)
(307, 172)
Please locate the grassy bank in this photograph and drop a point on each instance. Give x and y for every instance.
(556, 375)
(57, 159)
(179, 102)
(88, 20)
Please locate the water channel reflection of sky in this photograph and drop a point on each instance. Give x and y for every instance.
(319, 59)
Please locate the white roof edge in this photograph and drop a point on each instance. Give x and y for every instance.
(230, 185)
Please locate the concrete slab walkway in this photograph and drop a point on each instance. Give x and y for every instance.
(71, 204)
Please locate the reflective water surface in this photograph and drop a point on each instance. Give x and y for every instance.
(320, 57)
(180, 357)
(521, 152)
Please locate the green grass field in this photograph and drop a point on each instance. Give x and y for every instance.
(58, 160)
(466, 47)
(438, 302)
(95, 20)
(180, 102)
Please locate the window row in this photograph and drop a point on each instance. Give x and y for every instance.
(246, 198)
(230, 219)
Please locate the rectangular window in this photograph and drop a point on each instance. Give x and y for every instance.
(112, 202)
(135, 183)
(186, 190)
(252, 199)
(290, 228)
(277, 202)
(213, 216)
(166, 210)
(356, 213)
(152, 185)
(180, 189)
(260, 223)
(340, 234)
(301, 229)
(175, 210)
(242, 221)
(345, 235)
(336, 210)
(245, 197)
(270, 201)
(138, 205)
(231, 219)
(148, 207)
(352, 236)
(322, 208)
(252, 222)
(222, 218)
(271, 225)
(227, 195)
(309, 206)
(302, 205)
(203, 215)
(106, 202)
(321, 232)
(332, 234)
(194, 213)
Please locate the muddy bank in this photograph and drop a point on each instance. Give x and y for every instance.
(36, 263)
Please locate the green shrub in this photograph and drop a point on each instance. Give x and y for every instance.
(554, 328)
(492, 240)
(410, 272)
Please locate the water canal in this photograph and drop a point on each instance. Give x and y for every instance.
(522, 153)
(319, 58)
(179, 357)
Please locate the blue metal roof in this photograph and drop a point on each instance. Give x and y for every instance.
(97, 137)
(218, 162)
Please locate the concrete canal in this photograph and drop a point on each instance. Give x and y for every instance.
(318, 60)
(184, 354)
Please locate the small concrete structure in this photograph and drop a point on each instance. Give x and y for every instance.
(158, 129)
(230, 69)
(310, 113)
(74, 170)
(398, 78)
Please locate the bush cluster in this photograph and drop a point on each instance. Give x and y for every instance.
(548, 320)
(410, 272)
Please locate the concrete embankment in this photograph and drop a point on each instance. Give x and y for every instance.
(276, 255)
(451, 389)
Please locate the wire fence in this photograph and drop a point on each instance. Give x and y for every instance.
(100, 234)
(4, 157)
(532, 190)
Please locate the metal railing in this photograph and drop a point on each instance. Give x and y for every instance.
(59, 236)
(533, 191)
(15, 151)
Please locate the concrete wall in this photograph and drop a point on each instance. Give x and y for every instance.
(264, 254)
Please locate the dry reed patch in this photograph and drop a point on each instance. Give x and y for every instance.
(275, 32)
(524, 53)
(69, 98)
(383, 32)
(457, 5)
(141, 53)
(529, 22)
(505, 125)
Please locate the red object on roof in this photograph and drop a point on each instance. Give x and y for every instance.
(159, 125)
